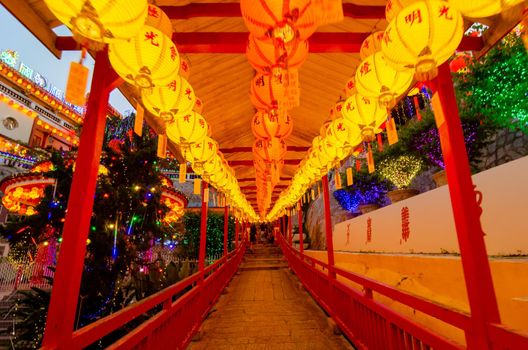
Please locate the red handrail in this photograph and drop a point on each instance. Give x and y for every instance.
(177, 322)
(373, 325)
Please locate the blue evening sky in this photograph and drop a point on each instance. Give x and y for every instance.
(35, 55)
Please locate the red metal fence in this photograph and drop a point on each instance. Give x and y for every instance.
(179, 318)
(370, 324)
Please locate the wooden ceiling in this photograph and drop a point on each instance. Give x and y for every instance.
(212, 35)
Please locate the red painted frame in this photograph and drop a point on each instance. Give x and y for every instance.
(370, 324)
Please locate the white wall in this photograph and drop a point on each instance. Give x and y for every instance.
(432, 229)
(25, 124)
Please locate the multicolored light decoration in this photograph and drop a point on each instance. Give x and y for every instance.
(400, 171)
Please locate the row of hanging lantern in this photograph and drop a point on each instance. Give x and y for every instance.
(277, 47)
(421, 35)
(141, 51)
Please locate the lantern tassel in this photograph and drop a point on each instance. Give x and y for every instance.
(358, 165)
(380, 142)
(370, 160)
(350, 179)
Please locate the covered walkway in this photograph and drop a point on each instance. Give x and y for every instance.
(265, 308)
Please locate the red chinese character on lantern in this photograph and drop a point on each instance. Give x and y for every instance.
(350, 85)
(389, 6)
(184, 66)
(339, 107)
(414, 16)
(406, 231)
(188, 93)
(153, 12)
(444, 11)
(260, 81)
(365, 68)
(152, 37)
(173, 53)
(379, 36)
(186, 118)
(172, 85)
(210, 144)
(349, 107)
(197, 145)
(340, 127)
(369, 230)
(366, 44)
(202, 123)
(386, 36)
(366, 100)
(347, 234)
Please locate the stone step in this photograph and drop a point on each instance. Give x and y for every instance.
(245, 267)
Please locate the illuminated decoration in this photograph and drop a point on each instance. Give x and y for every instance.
(423, 36)
(187, 129)
(158, 19)
(269, 57)
(375, 78)
(279, 19)
(23, 192)
(395, 6)
(42, 167)
(166, 102)
(100, 21)
(366, 113)
(200, 153)
(401, 170)
(148, 59)
(266, 126)
(175, 201)
(267, 93)
(371, 45)
(459, 64)
(198, 105)
(483, 8)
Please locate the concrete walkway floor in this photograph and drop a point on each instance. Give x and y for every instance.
(264, 308)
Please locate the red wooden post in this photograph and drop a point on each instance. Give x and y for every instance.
(328, 227)
(301, 234)
(290, 230)
(226, 227)
(203, 230)
(236, 232)
(65, 292)
(466, 211)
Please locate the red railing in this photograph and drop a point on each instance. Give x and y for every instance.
(178, 320)
(370, 324)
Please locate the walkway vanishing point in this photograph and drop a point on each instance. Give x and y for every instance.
(265, 307)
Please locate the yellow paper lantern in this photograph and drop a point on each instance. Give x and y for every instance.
(269, 57)
(344, 132)
(100, 21)
(283, 20)
(375, 78)
(201, 152)
(265, 126)
(371, 45)
(148, 59)
(187, 129)
(158, 19)
(166, 102)
(483, 8)
(394, 7)
(423, 36)
(366, 113)
(333, 150)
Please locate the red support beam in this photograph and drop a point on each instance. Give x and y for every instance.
(236, 232)
(236, 42)
(65, 292)
(466, 212)
(249, 163)
(232, 9)
(203, 231)
(250, 149)
(226, 228)
(301, 234)
(328, 227)
(290, 228)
